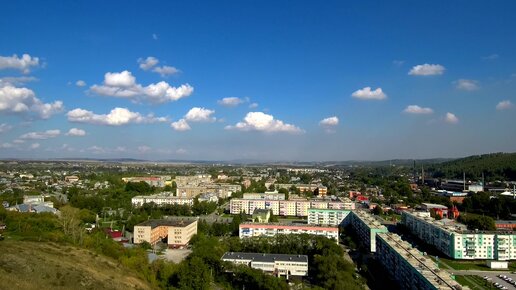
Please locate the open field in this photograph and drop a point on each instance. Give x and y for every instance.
(43, 265)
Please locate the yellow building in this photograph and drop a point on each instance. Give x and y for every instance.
(177, 232)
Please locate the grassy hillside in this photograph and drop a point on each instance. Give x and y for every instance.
(44, 265)
(495, 166)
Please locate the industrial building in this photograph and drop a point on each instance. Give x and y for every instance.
(177, 232)
(409, 267)
(247, 230)
(276, 264)
(456, 241)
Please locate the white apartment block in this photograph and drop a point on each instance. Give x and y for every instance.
(161, 199)
(276, 264)
(248, 230)
(332, 217)
(409, 267)
(455, 241)
(366, 227)
(291, 207)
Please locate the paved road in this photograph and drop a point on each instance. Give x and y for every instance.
(491, 274)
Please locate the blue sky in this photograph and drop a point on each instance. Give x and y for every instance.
(262, 80)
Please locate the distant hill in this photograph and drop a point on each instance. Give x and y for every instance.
(495, 166)
(43, 265)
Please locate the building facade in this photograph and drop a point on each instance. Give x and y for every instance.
(332, 217)
(455, 241)
(177, 232)
(161, 199)
(366, 227)
(276, 264)
(247, 230)
(409, 267)
(291, 207)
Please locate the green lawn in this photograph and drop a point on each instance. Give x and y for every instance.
(470, 265)
(474, 282)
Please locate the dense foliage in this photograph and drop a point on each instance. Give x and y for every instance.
(495, 166)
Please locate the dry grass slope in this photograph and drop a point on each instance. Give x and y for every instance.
(32, 265)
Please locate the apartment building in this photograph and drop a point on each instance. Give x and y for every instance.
(177, 232)
(222, 190)
(192, 179)
(332, 217)
(271, 195)
(276, 264)
(409, 267)
(456, 241)
(291, 207)
(366, 227)
(161, 199)
(157, 181)
(247, 230)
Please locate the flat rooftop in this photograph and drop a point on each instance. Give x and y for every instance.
(168, 222)
(267, 258)
(453, 226)
(429, 270)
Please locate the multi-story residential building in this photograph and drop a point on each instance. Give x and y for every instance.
(456, 241)
(247, 230)
(276, 264)
(366, 227)
(177, 232)
(192, 179)
(409, 267)
(332, 217)
(291, 207)
(222, 190)
(272, 195)
(157, 181)
(161, 199)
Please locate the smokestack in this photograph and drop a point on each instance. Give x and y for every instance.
(464, 179)
(422, 175)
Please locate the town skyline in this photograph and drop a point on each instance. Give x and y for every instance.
(257, 81)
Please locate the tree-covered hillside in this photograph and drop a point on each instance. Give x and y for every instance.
(495, 166)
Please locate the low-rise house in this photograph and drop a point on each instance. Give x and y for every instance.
(276, 264)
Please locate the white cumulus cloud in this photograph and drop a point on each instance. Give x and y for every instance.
(80, 83)
(259, 121)
(76, 132)
(150, 63)
(368, 94)
(24, 101)
(427, 70)
(415, 109)
(123, 85)
(504, 105)
(181, 125)
(5, 127)
(197, 114)
(22, 64)
(41, 135)
(34, 146)
(230, 102)
(6, 146)
(451, 118)
(330, 121)
(466, 85)
(117, 117)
